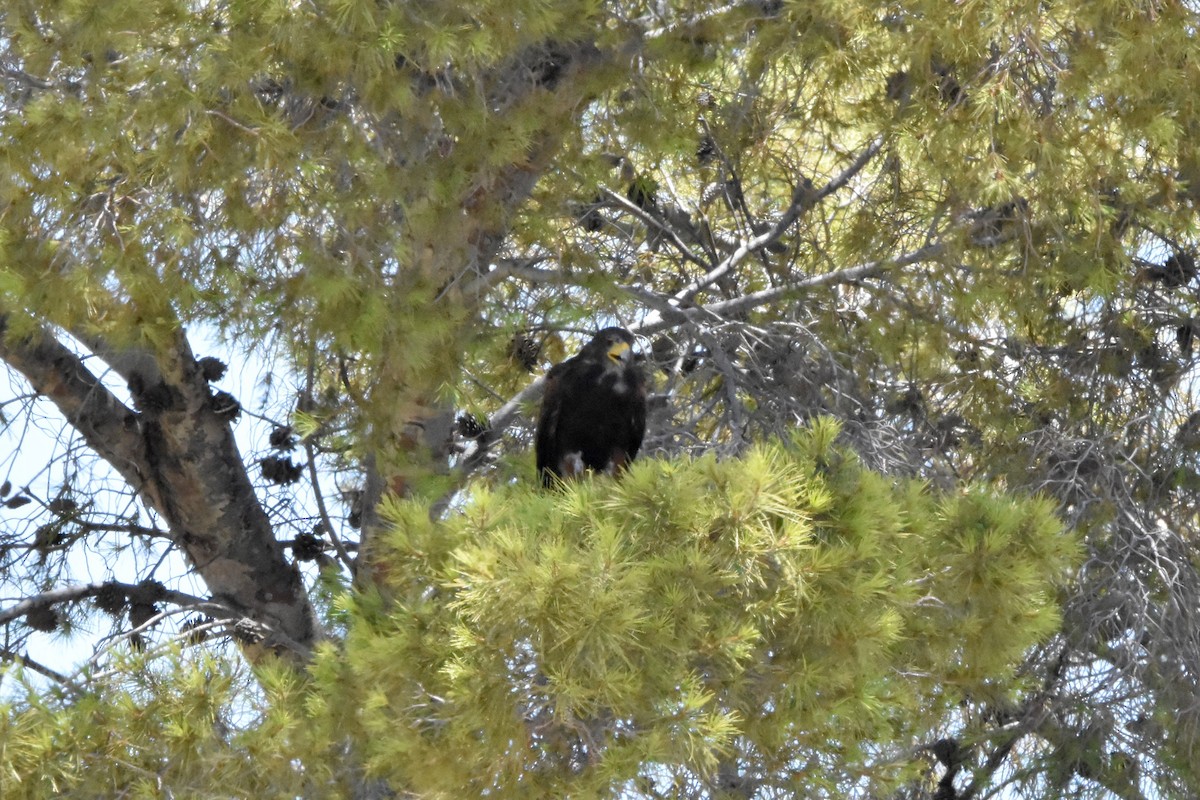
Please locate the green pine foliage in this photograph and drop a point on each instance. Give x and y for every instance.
(190, 724)
(790, 604)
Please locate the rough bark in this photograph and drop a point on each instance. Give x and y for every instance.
(177, 450)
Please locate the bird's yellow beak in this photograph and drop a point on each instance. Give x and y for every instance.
(619, 352)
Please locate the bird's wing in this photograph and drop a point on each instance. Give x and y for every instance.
(637, 415)
(547, 427)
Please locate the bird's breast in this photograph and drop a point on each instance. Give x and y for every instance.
(615, 383)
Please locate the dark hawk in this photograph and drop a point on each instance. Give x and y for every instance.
(594, 410)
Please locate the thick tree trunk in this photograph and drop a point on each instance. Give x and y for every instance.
(177, 450)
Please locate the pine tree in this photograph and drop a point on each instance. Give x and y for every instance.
(965, 232)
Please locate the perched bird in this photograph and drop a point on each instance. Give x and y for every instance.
(594, 410)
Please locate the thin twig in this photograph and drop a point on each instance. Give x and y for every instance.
(654, 222)
(803, 199)
(314, 478)
(25, 661)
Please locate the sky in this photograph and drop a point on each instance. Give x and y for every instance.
(36, 453)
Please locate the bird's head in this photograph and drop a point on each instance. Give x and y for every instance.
(615, 344)
(620, 352)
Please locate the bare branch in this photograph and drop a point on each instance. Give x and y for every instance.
(653, 222)
(660, 321)
(505, 268)
(67, 594)
(803, 199)
(181, 456)
(669, 317)
(314, 478)
(25, 661)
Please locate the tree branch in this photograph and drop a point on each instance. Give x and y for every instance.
(668, 317)
(179, 453)
(68, 594)
(311, 451)
(41, 669)
(664, 319)
(106, 424)
(653, 222)
(803, 199)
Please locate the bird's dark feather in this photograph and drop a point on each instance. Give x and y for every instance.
(593, 407)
